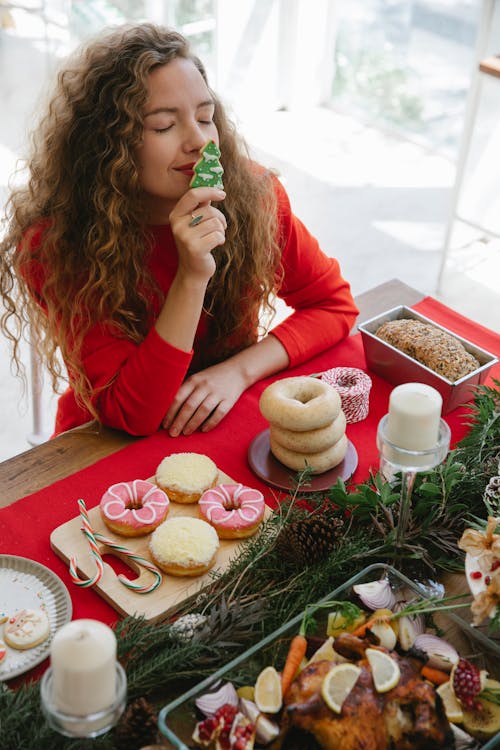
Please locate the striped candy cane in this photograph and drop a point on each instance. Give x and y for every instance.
(94, 549)
(126, 552)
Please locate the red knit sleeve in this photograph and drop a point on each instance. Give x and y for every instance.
(324, 309)
(134, 384)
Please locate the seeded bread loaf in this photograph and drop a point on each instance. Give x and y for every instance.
(429, 345)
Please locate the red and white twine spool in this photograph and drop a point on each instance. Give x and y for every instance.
(353, 387)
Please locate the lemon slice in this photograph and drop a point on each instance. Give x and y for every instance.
(452, 707)
(385, 671)
(267, 696)
(246, 691)
(338, 683)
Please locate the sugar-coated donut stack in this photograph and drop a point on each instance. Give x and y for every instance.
(307, 424)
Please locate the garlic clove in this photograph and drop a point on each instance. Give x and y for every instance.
(407, 633)
(266, 729)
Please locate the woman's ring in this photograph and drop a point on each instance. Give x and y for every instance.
(195, 220)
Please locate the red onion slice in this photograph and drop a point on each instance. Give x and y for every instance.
(442, 655)
(376, 594)
(210, 702)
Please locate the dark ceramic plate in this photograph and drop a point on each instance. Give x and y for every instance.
(273, 472)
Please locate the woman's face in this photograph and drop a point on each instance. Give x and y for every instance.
(178, 121)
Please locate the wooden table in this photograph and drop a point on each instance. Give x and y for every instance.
(76, 449)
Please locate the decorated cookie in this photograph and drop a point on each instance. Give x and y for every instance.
(3, 617)
(208, 170)
(3, 651)
(27, 629)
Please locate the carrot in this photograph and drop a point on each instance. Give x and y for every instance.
(436, 676)
(296, 652)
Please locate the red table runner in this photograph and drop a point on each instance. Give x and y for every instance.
(25, 526)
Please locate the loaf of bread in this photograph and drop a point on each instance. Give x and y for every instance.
(434, 348)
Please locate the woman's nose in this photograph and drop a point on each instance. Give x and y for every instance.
(194, 137)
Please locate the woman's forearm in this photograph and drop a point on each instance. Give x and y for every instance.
(180, 314)
(260, 360)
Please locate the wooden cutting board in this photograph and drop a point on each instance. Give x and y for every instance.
(67, 541)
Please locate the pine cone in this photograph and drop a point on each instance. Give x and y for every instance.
(308, 541)
(492, 493)
(138, 726)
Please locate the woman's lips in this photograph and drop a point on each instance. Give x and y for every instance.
(186, 169)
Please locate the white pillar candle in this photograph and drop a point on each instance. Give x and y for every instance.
(414, 416)
(83, 659)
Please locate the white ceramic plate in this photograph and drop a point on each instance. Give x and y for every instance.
(25, 584)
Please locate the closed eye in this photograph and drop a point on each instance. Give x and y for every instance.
(162, 130)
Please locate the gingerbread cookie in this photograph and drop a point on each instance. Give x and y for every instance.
(27, 629)
(3, 651)
(208, 170)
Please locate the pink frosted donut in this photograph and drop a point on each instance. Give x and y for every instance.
(353, 386)
(134, 508)
(235, 511)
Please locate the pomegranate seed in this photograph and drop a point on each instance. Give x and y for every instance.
(487, 580)
(476, 575)
(495, 565)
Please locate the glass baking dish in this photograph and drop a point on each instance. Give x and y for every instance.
(178, 718)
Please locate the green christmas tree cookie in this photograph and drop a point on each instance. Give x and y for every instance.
(208, 170)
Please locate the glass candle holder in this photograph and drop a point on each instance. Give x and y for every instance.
(90, 725)
(395, 460)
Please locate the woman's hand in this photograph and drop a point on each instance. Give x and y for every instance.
(205, 398)
(198, 228)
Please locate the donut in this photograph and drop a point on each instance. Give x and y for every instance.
(317, 462)
(300, 403)
(184, 546)
(133, 508)
(353, 387)
(310, 441)
(235, 511)
(186, 476)
(27, 629)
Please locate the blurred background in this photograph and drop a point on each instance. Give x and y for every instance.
(374, 112)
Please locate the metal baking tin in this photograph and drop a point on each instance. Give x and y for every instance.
(396, 367)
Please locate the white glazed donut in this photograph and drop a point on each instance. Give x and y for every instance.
(235, 511)
(134, 508)
(310, 441)
(300, 403)
(353, 387)
(317, 462)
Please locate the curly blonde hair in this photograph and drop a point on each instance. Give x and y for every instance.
(84, 195)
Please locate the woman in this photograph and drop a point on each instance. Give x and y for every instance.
(156, 312)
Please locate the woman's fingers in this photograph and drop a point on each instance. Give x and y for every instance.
(194, 199)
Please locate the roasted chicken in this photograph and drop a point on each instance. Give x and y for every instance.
(408, 717)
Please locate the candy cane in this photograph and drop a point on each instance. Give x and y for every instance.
(94, 549)
(139, 588)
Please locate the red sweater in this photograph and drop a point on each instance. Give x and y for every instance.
(145, 377)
